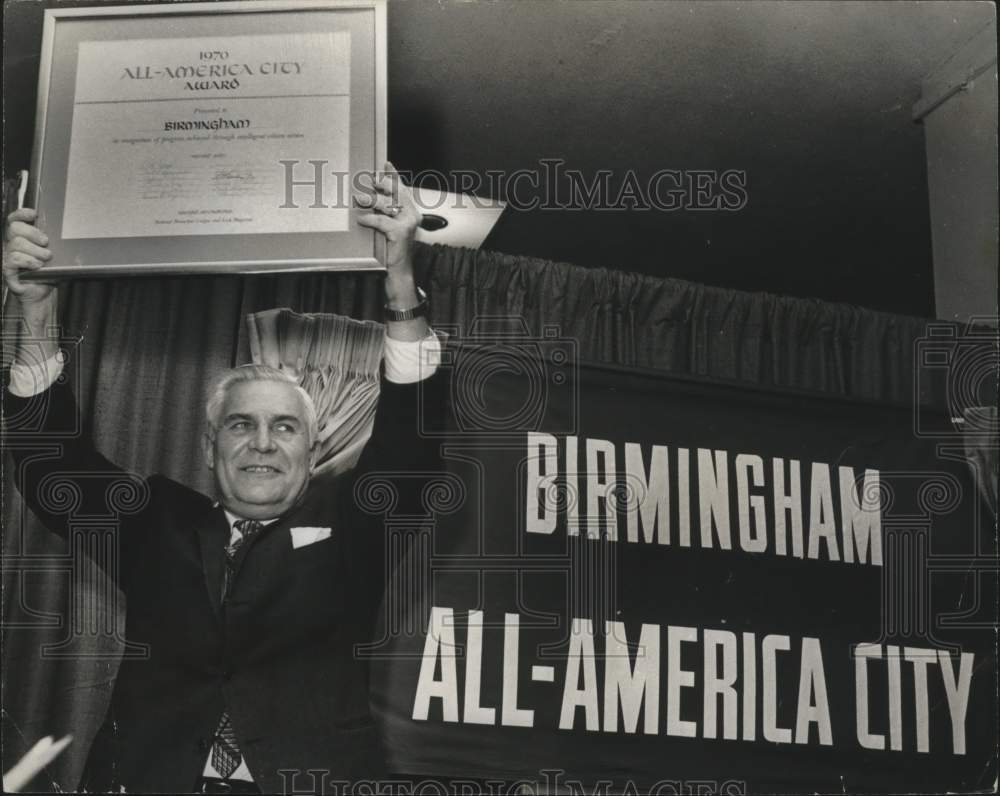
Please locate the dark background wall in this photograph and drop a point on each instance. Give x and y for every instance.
(811, 100)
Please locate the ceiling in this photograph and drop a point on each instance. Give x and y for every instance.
(811, 100)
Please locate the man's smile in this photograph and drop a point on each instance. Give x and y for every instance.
(260, 469)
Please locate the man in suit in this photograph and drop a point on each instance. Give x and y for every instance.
(250, 605)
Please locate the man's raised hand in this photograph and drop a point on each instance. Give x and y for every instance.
(24, 249)
(395, 215)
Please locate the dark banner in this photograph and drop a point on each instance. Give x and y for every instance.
(671, 586)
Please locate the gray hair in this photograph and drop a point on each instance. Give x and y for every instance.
(221, 386)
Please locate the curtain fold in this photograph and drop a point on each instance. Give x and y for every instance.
(337, 361)
(690, 329)
(150, 347)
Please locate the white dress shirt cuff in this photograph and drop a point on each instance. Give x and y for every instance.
(407, 361)
(29, 380)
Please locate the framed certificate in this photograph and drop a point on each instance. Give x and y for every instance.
(212, 137)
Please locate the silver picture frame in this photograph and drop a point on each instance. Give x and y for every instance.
(99, 251)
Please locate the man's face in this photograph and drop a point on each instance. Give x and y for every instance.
(261, 453)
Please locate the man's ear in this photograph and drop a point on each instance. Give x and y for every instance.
(208, 449)
(313, 454)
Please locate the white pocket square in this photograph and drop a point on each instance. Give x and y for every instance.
(306, 535)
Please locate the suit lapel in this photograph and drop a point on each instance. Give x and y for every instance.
(213, 534)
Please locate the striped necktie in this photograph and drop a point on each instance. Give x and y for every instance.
(243, 531)
(226, 754)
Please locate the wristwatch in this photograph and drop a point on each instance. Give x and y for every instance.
(420, 311)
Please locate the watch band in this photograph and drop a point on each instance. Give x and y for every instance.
(419, 311)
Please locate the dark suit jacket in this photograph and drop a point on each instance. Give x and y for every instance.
(280, 653)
